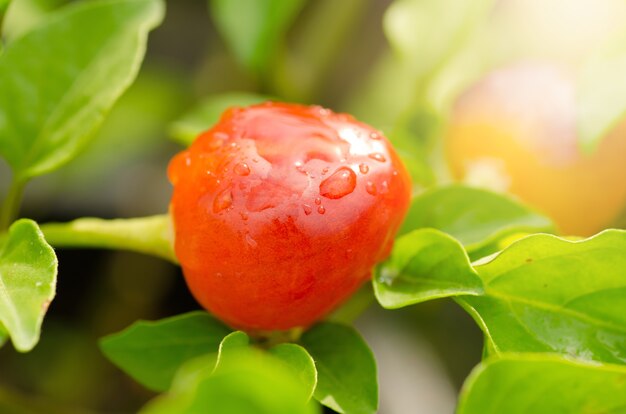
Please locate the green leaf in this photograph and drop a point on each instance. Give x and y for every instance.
(246, 381)
(425, 264)
(207, 113)
(152, 352)
(475, 217)
(539, 383)
(300, 363)
(602, 92)
(346, 369)
(87, 55)
(28, 271)
(546, 294)
(254, 29)
(149, 235)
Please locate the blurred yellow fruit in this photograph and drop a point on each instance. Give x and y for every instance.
(515, 131)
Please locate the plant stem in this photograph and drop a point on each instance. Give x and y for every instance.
(11, 205)
(151, 235)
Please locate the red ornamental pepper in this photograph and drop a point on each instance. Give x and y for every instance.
(281, 211)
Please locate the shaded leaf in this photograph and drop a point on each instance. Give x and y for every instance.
(87, 55)
(540, 383)
(28, 271)
(346, 369)
(546, 294)
(254, 29)
(152, 352)
(425, 264)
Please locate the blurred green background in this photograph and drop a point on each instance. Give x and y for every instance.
(398, 65)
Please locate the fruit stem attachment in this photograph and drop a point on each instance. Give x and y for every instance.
(150, 235)
(11, 204)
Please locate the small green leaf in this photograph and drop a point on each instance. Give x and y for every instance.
(87, 55)
(541, 383)
(152, 352)
(602, 92)
(232, 342)
(473, 216)
(546, 294)
(247, 381)
(425, 264)
(28, 272)
(300, 363)
(346, 369)
(207, 113)
(254, 29)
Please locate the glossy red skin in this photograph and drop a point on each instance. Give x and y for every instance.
(264, 247)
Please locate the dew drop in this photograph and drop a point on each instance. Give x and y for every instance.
(223, 200)
(307, 209)
(321, 209)
(251, 242)
(338, 185)
(325, 170)
(374, 135)
(385, 188)
(242, 169)
(363, 168)
(395, 173)
(377, 156)
(370, 187)
(318, 201)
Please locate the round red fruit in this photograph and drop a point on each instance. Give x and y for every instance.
(280, 212)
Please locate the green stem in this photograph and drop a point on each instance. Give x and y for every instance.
(150, 235)
(11, 205)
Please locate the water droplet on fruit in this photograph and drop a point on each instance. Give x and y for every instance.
(318, 201)
(321, 209)
(377, 156)
(325, 170)
(244, 215)
(338, 185)
(222, 201)
(370, 187)
(374, 135)
(385, 188)
(307, 209)
(395, 173)
(251, 242)
(242, 169)
(363, 168)
(220, 135)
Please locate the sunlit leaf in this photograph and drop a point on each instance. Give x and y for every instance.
(346, 369)
(245, 380)
(546, 294)
(541, 383)
(152, 352)
(300, 362)
(602, 92)
(28, 271)
(473, 216)
(425, 264)
(87, 55)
